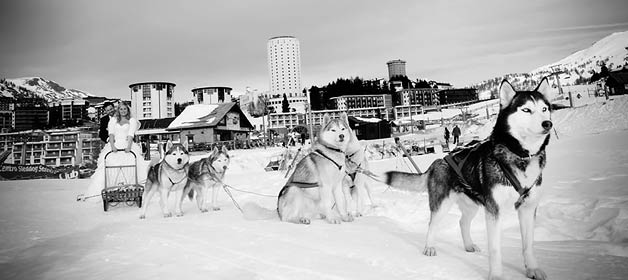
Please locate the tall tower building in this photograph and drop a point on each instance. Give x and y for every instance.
(284, 65)
(152, 100)
(396, 68)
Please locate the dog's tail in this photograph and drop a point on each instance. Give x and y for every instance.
(406, 181)
(253, 211)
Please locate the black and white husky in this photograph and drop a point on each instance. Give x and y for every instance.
(504, 169)
(169, 175)
(205, 177)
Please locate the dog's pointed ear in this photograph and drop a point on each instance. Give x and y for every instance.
(545, 89)
(326, 119)
(506, 93)
(225, 150)
(215, 150)
(344, 118)
(168, 145)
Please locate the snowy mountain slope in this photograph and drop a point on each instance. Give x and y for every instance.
(47, 89)
(577, 67)
(611, 50)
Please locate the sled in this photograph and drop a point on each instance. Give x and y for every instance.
(274, 164)
(445, 147)
(121, 185)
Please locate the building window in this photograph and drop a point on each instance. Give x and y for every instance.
(146, 92)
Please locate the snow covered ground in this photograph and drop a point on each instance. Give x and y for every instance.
(581, 233)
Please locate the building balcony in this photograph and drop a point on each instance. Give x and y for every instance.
(71, 145)
(67, 153)
(50, 154)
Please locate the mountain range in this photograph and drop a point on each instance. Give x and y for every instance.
(574, 69)
(36, 86)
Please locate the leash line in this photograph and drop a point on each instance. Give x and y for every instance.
(250, 192)
(224, 187)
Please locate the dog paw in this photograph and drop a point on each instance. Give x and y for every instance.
(304, 221)
(472, 248)
(215, 208)
(142, 216)
(357, 214)
(536, 273)
(333, 220)
(429, 251)
(494, 277)
(167, 215)
(179, 214)
(204, 210)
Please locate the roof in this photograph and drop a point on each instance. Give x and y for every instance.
(155, 123)
(210, 87)
(206, 115)
(281, 37)
(364, 120)
(143, 83)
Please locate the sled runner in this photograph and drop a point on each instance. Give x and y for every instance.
(121, 184)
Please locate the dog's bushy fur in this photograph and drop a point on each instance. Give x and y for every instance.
(316, 183)
(518, 142)
(205, 176)
(169, 175)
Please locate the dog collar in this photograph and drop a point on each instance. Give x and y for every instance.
(527, 156)
(333, 149)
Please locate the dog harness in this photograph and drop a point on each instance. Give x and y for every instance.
(184, 177)
(320, 153)
(508, 173)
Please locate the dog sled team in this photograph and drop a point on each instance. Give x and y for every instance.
(500, 173)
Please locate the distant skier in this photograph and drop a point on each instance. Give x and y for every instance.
(446, 136)
(456, 134)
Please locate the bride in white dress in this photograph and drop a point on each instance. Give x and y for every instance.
(122, 128)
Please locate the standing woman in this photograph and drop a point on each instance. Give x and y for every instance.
(122, 127)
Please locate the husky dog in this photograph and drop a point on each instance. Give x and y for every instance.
(505, 167)
(169, 175)
(356, 180)
(205, 177)
(316, 183)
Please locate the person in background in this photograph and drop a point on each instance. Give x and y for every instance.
(110, 110)
(456, 134)
(446, 136)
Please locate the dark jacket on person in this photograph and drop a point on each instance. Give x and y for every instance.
(103, 132)
(456, 131)
(446, 133)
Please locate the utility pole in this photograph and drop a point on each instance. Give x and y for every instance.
(308, 116)
(556, 71)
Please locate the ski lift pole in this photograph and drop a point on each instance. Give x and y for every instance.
(407, 155)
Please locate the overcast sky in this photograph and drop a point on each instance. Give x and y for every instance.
(103, 46)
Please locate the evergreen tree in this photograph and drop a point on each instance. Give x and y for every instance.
(285, 105)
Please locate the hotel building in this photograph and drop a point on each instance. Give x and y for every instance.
(284, 65)
(152, 100)
(211, 95)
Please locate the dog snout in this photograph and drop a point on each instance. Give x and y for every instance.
(547, 125)
(342, 137)
(224, 167)
(179, 160)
